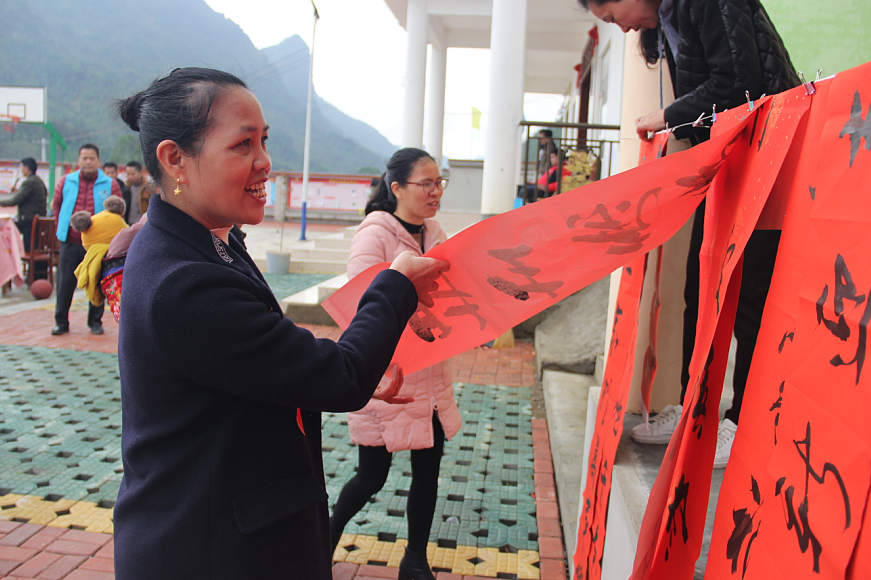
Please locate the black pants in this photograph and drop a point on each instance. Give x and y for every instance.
(759, 258)
(71, 255)
(372, 469)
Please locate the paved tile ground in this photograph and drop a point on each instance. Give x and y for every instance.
(60, 464)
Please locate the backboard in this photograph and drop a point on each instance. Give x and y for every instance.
(26, 103)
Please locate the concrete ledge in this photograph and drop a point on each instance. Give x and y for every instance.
(305, 306)
(565, 397)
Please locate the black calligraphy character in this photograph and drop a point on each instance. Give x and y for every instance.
(743, 521)
(520, 291)
(813, 192)
(845, 289)
(467, 308)
(675, 508)
(778, 404)
(594, 460)
(730, 251)
(857, 128)
(700, 409)
(617, 416)
(798, 519)
(790, 336)
(623, 238)
(698, 184)
(615, 336)
(423, 321)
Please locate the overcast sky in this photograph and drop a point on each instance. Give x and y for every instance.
(360, 65)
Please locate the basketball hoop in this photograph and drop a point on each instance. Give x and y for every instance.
(9, 122)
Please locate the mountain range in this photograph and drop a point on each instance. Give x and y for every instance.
(89, 53)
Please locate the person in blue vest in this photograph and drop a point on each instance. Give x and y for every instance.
(82, 190)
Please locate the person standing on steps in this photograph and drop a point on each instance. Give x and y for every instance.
(400, 217)
(716, 50)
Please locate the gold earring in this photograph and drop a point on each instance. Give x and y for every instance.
(177, 189)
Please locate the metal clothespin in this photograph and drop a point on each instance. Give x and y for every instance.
(749, 102)
(809, 87)
(819, 73)
(714, 114)
(698, 121)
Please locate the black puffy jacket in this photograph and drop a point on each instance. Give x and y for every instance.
(725, 47)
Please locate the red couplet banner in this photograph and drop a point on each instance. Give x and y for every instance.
(793, 503)
(794, 500)
(616, 382)
(509, 267)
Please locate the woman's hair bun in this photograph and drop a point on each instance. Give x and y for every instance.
(130, 110)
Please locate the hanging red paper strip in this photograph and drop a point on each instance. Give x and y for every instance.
(673, 526)
(659, 144)
(509, 267)
(794, 500)
(614, 395)
(609, 422)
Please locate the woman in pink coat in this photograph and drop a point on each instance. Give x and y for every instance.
(399, 217)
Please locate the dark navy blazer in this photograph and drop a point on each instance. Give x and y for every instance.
(219, 479)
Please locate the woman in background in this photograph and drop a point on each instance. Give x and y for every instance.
(399, 218)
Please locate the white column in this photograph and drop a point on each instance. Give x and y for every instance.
(417, 30)
(505, 111)
(435, 103)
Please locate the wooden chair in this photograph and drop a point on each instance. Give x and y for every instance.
(43, 248)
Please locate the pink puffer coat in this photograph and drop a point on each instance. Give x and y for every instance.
(380, 238)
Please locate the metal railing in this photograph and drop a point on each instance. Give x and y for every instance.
(595, 144)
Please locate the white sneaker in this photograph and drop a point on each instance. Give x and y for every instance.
(725, 437)
(660, 428)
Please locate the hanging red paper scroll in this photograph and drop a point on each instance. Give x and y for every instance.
(609, 422)
(659, 145)
(509, 267)
(794, 501)
(616, 384)
(673, 526)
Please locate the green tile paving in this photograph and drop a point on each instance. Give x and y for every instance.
(486, 484)
(284, 285)
(60, 439)
(60, 424)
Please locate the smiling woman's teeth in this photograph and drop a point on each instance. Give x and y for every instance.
(258, 190)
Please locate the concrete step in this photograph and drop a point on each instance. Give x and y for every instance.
(572, 402)
(305, 306)
(324, 266)
(313, 254)
(338, 242)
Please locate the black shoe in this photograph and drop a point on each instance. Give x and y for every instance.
(97, 329)
(414, 567)
(60, 329)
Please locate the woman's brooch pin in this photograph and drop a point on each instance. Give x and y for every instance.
(222, 251)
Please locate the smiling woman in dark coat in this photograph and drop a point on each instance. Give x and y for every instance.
(221, 393)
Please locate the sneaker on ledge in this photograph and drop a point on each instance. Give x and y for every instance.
(725, 437)
(660, 428)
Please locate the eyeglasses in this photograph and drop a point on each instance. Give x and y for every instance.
(429, 186)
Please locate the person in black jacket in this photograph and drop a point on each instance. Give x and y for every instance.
(716, 50)
(221, 393)
(30, 197)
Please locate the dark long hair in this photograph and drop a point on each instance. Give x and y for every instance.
(399, 169)
(175, 107)
(648, 40)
